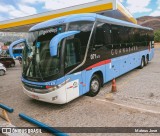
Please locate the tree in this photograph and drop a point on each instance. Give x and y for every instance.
(7, 43)
(157, 36)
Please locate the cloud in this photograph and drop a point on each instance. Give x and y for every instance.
(29, 7)
(158, 3)
(2, 18)
(121, 1)
(155, 13)
(32, 1)
(6, 8)
(56, 4)
(140, 6)
(22, 10)
(13, 12)
(29, 1)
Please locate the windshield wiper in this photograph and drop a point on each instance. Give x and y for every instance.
(27, 67)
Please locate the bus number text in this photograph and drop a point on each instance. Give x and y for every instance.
(94, 56)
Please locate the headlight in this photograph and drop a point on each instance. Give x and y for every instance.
(53, 88)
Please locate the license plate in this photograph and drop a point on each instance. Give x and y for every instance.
(35, 97)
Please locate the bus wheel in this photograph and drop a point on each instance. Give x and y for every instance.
(2, 72)
(95, 86)
(142, 63)
(146, 61)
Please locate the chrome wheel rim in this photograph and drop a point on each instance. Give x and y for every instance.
(94, 85)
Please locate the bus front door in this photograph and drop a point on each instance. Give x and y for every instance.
(74, 87)
(73, 57)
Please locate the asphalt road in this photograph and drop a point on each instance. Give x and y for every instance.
(136, 103)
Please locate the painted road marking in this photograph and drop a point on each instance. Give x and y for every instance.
(129, 107)
(140, 98)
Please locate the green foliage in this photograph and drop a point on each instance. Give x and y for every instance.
(7, 43)
(157, 36)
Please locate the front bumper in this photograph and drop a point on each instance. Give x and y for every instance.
(57, 97)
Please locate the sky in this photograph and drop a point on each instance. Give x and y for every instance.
(10, 9)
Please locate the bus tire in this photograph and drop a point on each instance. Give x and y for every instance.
(146, 61)
(95, 86)
(142, 63)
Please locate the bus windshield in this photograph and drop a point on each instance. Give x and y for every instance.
(39, 65)
(37, 62)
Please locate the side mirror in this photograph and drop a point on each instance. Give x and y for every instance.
(55, 41)
(14, 44)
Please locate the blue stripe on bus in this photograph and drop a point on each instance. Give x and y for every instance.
(117, 67)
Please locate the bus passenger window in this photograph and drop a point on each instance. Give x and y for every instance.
(115, 34)
(99, 38)
(102, 35)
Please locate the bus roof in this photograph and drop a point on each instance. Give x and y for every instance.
(111, 8)
(83, 17)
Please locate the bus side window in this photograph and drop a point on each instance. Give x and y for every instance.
(99, 37)
(102, 35)
(107, 34)
(115, 34)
